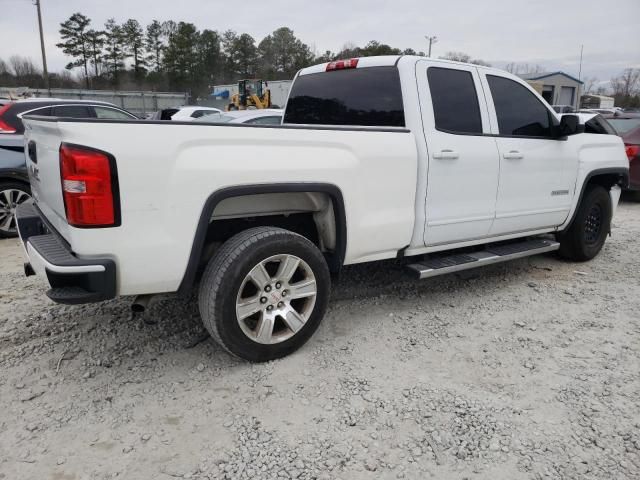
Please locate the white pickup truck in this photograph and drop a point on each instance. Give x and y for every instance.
(455, 165)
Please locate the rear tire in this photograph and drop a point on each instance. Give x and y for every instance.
(264, 293)
(586, 235)
(12, 194)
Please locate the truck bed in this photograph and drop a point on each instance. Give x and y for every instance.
(167, 171)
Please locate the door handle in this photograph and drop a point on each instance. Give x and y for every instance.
(446, 155)
(513, 155)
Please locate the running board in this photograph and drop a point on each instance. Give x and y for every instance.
(434, 266)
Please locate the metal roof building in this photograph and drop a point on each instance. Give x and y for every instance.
(557, 88)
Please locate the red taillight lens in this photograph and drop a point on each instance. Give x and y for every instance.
(4, 126)
(632, 151)
(342, 64)
(89, 187)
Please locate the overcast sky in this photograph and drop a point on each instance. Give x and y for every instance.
(545, 32)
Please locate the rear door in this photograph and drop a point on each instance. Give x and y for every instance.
(537, 171)
(462, 178)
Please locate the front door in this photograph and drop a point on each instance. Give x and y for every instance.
(463, 163)
(537, 171)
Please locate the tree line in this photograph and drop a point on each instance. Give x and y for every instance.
(178, 56)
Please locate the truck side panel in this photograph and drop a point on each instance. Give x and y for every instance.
(167, 171)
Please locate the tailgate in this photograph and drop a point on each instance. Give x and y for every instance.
(43, 139)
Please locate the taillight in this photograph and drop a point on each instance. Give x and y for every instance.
(4, 126)
(632, 151)
(342, 64)
(89, 187)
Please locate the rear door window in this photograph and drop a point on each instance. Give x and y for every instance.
(111, 113)
(44, 112)
(73, 111)
(455, 101)
(358, 96)
(520, 113)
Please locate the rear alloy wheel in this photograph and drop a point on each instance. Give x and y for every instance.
(264, 293)
(12, 194)
(272, 309)
(584, 239)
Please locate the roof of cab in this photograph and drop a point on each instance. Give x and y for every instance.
(391, 60)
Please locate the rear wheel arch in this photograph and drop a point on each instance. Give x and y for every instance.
(335, 259)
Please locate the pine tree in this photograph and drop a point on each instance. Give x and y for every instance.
(114, 51)
(75, 43)
(133, 37)
(154, 45)
(95, 42)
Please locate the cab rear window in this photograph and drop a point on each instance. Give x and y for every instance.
(359, 96)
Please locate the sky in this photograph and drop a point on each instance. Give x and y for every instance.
(545, 32)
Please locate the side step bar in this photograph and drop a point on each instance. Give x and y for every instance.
(434, 266)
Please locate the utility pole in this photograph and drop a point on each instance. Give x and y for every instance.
(44, 55)
(431, 41)
(580, 69)
(579, 77)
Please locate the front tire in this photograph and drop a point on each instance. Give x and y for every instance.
(584, 239)
(264, 293)
(12, 194)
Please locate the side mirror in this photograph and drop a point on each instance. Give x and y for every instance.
(569, 125)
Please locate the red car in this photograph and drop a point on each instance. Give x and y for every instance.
(628, 127)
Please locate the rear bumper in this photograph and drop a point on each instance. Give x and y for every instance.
(72, 280)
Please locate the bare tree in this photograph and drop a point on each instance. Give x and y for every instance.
(626, 84)
(464, 58)
(23, 66)
(523, 68)
(589, 84)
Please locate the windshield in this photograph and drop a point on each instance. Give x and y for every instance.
(624, 125)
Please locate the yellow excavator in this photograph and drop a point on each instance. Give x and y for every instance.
(251, 94)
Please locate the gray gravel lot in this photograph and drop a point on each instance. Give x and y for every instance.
(525, 370)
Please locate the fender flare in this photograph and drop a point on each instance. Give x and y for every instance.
(623, 181)
(335, 260)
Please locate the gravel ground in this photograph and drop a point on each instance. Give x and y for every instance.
(525, 370)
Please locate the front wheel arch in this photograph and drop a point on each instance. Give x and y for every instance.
(606, 178)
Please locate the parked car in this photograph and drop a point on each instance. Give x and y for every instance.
(267, 116)
(14, 181)
(596, 123)
(627, 124)
(455, 165)
(563, 108)
(190, 113)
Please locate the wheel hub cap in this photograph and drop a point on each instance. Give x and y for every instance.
(276, 299)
